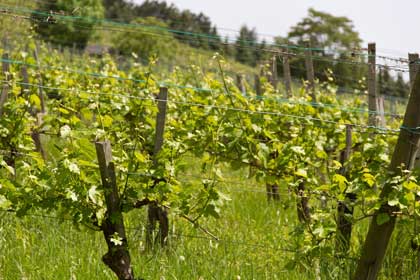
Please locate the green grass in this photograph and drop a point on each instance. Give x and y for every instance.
(251, 230)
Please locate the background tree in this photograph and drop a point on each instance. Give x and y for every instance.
(119, 9)
(335, 37)
(184, 20)
(246, 44)
(402, 88)
(52, 27)
(146, 41)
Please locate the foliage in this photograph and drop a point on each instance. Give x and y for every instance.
(49, 24)
(333, 35)
(283, 142)
(148, 39)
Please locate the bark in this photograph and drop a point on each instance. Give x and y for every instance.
(303, 211)
(273, 192)
(157, 214)
(374, 248)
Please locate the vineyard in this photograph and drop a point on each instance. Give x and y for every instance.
(142, 170)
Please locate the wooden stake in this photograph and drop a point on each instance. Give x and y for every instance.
(241, 83)
(118, 256)
(345, 209)
(40, 88)
(6, 86)
(257, 80)
(274, 74)
(155, 212)
(310, 73)
(372, 94)
(287, 74)
(414, 66)
(25, 80)
(303, 210)
(374, 248)
(381, 111)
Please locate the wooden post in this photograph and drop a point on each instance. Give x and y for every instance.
(287, 74)
(6, 86)
(303, 210)
(378, 236)
(118, 256)
(36, 137)
(272, 192)
(25, 81)
(381, 110)
(310, 73)
(274, 74)
(414, 66)
(241, 83)
(257, 80)
(155, 212)
(40, 88)
(372, 94)
(345, 209)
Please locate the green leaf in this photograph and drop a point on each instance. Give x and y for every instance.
(298, 150)
(10, 169)
(394, 202)
(301, 173)
(341, 181)
(107, 121)
(34, 100)
(4, 203)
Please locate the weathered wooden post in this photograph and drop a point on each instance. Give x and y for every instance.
(118, 255)
(40, 88)
(414, 68)
(310, 73)
(381, 110)
(6, 87)
(274, 72)
(372, 94)
(257, 80)
(240, 81)
(287, 73)
(156, 212)
(345, 209)
(379, 234)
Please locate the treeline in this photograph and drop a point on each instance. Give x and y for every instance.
(174, 18)
(337, 44)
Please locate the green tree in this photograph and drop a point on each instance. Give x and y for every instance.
(119, 9)
(335, 38)
(246, 44)
(201, 32)
(146, 40)
(402, 88)
(67, 22)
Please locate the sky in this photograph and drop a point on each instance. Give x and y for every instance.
(394, 25)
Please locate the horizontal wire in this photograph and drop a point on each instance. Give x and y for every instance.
(383, 129)
(355, 51)
(347, 89)
(152, 27)
(318, 58)
(278, 100)
(133, 25)
(227, 241)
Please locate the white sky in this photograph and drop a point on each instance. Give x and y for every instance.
(393, 24)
